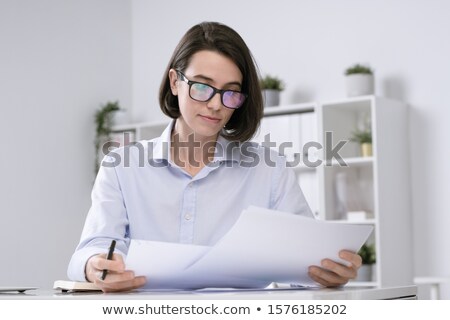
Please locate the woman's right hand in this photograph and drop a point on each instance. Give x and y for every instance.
(117, 279)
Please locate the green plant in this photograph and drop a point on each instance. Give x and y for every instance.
(367, 253)
(271, 83)
(358, 68)
(103, 125)
(364, 136)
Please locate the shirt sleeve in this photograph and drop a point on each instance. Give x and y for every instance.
(107, 220)
(286, 194)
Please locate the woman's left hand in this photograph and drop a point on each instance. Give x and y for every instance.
(333, 274)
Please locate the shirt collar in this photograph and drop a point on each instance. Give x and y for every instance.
(226, 150)
(161, 144)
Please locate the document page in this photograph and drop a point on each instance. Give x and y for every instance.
(263, 246)
(164, 263)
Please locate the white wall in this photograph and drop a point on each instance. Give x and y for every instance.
(309, 44)
(59, 61)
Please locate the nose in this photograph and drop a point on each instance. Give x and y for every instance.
(215, 102)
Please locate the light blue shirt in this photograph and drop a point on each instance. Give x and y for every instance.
(142, 194)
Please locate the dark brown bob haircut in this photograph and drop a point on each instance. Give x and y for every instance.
(220, 38)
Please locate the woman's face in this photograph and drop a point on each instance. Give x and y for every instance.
(205, 119)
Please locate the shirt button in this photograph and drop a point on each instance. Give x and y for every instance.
(187, 216)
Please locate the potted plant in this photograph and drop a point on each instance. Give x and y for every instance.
(103, 127)
(359, 80)
(364, 138)
(271, 87)
(368, 255)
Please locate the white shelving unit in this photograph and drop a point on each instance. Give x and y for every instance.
(378, 185)
(144, 130)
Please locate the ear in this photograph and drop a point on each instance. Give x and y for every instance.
(173, 79)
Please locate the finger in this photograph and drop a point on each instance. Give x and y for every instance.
(127, 285)
(326, 277)
(351, 257)
(90, 271)
(339, 269)
(101, 263)
(115, 277)
(96, 264)
(319, 280)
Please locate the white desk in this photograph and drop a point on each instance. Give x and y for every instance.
(346, 293)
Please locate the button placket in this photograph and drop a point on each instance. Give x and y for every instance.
(188, 214)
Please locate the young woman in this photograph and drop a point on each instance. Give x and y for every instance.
(198, 176)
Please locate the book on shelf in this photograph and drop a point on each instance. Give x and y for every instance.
(359, 216)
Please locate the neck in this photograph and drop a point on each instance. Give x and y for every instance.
(189, 150)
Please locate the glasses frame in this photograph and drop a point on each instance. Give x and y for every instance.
(215, 91)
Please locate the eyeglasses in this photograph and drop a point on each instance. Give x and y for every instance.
(204, 92)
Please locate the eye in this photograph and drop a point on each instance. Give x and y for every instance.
(201, 91)
(201, 87)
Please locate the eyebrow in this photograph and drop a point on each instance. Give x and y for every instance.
(205, 78)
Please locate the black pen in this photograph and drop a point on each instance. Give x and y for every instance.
(109, 257)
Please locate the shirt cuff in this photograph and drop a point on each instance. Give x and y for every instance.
(77, 263)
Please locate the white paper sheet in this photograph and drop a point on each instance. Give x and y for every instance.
(263, 246)
(163, 263)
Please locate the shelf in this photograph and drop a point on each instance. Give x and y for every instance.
(268, 112)
(302, 168)
(289, 109)
(354, 104)
(366, 221)
(134, 126)
(355, 161)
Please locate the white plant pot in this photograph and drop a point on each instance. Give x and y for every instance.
(120, 117)
(359, 84)
(271, 97)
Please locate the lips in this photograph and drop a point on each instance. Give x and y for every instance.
(210, 118)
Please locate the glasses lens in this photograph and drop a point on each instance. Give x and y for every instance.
(201, 92)
(233, 99)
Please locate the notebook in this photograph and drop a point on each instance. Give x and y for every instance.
(74, 286)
